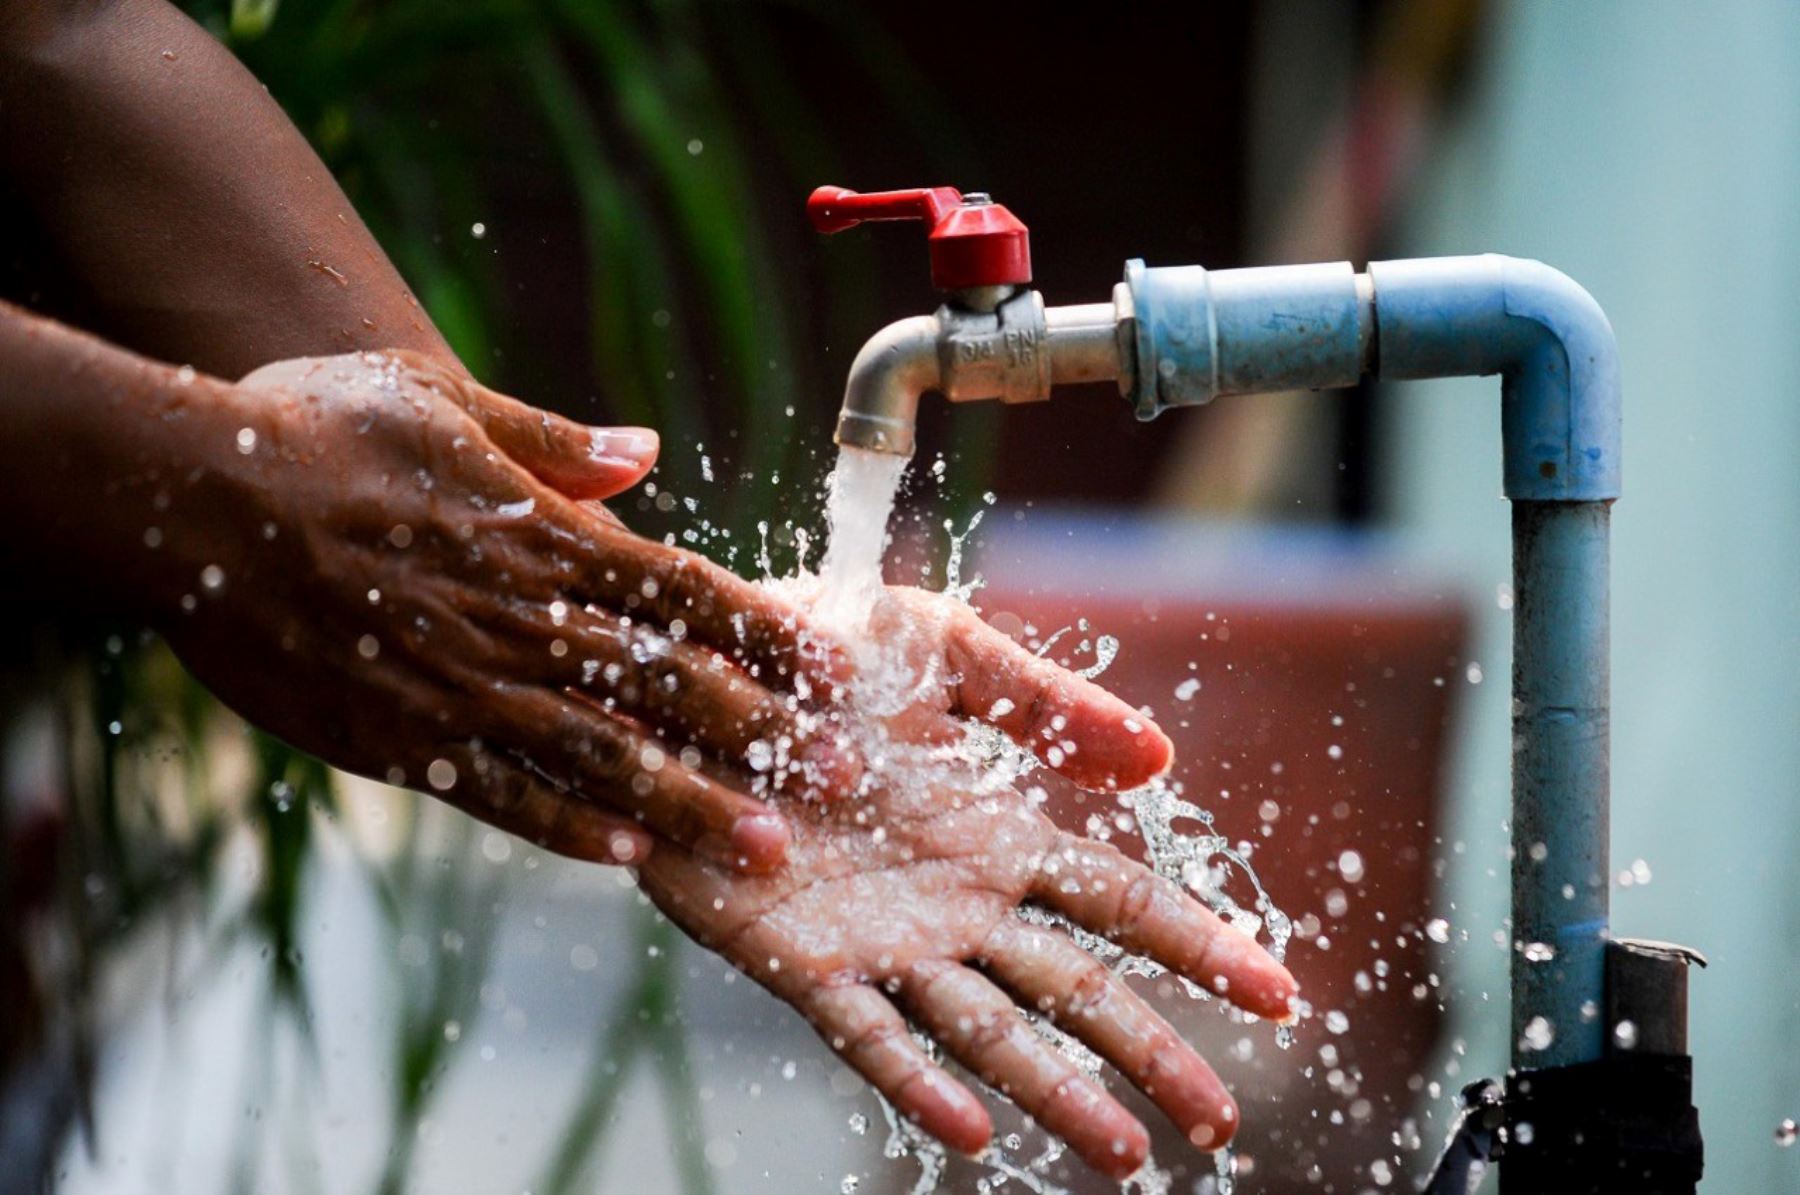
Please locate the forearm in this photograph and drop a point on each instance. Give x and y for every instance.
(108, 466)
(200, 224)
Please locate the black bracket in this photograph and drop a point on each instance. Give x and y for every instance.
(1625, 1122)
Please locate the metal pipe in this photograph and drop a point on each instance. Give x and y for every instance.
(1083, 342)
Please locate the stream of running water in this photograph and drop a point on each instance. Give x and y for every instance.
(843, 596)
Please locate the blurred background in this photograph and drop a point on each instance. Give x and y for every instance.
(224, 969)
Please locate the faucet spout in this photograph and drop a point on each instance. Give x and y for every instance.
(1013, 349)
(890, 372)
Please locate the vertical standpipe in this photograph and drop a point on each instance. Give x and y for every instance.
(1199, 334)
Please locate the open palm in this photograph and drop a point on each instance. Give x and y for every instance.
(903, 904)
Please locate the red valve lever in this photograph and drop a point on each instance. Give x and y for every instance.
(974, 241)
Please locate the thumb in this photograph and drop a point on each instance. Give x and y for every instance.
(578, 461)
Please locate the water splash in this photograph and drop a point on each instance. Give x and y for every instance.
(861, 497)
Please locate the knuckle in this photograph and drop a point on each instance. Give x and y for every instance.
(1090, 988)
(987, 1030)
(874, 1038)
(1135, 902)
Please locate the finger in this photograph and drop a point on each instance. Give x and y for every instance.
(866, 1031)
(1072, 724)
(511, 799)
(1048, 972)
(569, 743)
(576, 460)
(764, 633)
(1098, 888)
(982, 1029)
(691, 692)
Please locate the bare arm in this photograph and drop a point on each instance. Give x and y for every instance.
(394, 568)
(198, 222)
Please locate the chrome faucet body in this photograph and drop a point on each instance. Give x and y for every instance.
(1016, 351)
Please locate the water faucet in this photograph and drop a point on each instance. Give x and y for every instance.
(992, 338)
(1182, 335)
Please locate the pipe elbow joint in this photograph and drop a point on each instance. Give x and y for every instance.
(881, 396)
(1542, 333)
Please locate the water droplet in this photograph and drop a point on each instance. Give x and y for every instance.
(1538, 952)
(368, 647)
(246, 440)
(583, 957)
(441, 775)
(478, 230)
(1625, 1035)
(1438, 930)
(1350, 866)
(1787, 1132)
(1539, 1034)
(1337, 1022)
(1186, 689)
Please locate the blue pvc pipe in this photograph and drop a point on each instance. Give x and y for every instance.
(1443, 317)
(1198, 334)
(1561, 780)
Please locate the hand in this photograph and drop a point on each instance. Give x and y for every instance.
(404, 573)
(904, 904)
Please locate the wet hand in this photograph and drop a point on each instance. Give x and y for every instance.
(901, 908)
(410, 576)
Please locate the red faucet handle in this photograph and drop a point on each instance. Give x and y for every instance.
(833, 209)
(974, 241)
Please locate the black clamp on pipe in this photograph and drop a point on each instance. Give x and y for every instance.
(1626, 1122)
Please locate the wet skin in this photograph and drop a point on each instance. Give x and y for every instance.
(437, 563)
(900, 905)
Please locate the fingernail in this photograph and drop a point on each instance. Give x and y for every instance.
(629, 444)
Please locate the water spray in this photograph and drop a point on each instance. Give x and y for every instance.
(1599, 1095)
